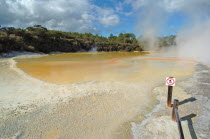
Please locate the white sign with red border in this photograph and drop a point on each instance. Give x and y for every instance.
(170, 81)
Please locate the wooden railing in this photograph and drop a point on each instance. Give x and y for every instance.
(175, 114)
(175, 117)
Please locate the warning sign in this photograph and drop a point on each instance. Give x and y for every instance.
(170, 81)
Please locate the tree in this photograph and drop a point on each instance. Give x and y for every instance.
(39, 39)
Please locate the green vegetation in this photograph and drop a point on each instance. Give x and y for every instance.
(40, 39)
(167, 41)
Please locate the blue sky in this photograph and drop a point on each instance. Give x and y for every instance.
(129, 22)
(164, 17)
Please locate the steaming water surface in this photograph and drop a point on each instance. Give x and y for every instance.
(81, 67)
(114, 89)
(84, 67)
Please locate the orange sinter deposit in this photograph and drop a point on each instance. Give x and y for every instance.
(84, 67)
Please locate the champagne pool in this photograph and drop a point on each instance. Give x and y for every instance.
(82, 95)
(101, 66)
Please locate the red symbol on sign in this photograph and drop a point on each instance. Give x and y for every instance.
(170, 81)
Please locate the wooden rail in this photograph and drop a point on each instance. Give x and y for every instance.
(175, 117)
(175, 114)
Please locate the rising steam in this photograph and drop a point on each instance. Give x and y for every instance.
(193, 39)
(151, 21)
(194, 42)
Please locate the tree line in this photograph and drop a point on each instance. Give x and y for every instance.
(167, 41)
(40, 39)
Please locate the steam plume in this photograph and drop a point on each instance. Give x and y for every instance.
(194, 42)
(193, 38)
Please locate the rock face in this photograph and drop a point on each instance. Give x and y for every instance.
(194, 109)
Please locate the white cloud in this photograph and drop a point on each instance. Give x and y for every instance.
(121, 9)
(67, 15)
(155, 13)
(110, 20)
(107, 16)
(136, 3)
(173, 5)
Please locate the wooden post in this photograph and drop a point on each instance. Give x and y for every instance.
(175, 106)
(175, 117)
(170, 89)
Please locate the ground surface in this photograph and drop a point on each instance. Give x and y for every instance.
(194, 110)
(32, 108)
